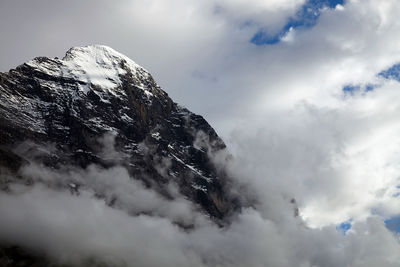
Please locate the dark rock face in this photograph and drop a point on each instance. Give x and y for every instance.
(14, 256)
(94, 98)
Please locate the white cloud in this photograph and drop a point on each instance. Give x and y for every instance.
(77, 229)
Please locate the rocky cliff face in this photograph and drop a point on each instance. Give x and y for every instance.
(96, 106)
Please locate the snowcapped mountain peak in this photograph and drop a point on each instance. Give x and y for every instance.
(96, 124)
(96, 93)
(99, 65)
(93, 65)
(97, 50)
(99, 56)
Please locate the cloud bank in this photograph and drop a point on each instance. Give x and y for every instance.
(103, 216)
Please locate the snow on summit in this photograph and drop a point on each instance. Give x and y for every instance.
(99, 65)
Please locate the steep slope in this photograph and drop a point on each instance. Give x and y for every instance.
(96, 106)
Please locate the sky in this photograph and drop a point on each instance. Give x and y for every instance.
(305, 94)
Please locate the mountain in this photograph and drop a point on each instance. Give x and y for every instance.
(98, 107)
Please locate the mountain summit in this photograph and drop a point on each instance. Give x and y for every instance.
(98, 107)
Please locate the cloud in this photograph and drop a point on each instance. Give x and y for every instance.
(82, 229)
(72, 229)
(337, 163)
(104, 216)
(118, 190)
